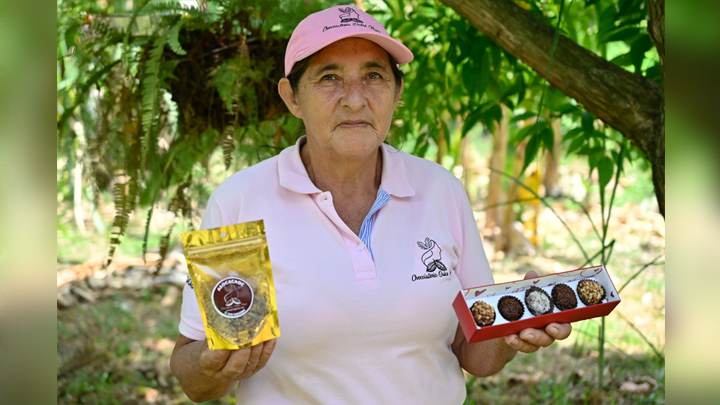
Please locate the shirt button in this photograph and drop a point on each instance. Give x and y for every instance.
(360, 247)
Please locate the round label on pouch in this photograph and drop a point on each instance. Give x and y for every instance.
(232, 297)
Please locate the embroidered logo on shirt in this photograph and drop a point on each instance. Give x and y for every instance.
(431, 258)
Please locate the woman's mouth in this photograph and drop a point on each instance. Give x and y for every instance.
(353, 124)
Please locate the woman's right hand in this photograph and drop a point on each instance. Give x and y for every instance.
(235, 364)
(207, 375)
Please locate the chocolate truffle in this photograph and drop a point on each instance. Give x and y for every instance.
(510, 308)
(564, 297)
(590, 292)
(538, 301)
(483, 313)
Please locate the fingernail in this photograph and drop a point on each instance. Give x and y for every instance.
(530, 336)
(553, 330)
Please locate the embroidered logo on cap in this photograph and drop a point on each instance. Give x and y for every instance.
(350, 18)
(349, 15)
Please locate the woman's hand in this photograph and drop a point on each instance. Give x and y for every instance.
(207, 375)
(235, 364)
(530, 340)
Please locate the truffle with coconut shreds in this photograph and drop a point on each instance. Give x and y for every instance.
(538, 301)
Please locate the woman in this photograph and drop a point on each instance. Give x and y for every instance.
(368, 245)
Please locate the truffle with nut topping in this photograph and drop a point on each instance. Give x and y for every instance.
(590, 292)
(483, 313)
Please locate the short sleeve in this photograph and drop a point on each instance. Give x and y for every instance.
(191, 324)
(473, 268)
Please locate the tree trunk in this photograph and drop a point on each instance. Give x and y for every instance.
(551, 180)
(442, 146)
(509, 240)
(630, 103)
(497, 162)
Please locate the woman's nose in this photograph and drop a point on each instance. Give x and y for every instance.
(353, 95)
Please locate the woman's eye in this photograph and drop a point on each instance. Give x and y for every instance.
(374, 75)
(328, 77)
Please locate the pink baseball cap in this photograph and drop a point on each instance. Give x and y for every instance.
(321, 29)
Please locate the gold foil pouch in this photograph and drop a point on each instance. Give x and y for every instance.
(230, 271)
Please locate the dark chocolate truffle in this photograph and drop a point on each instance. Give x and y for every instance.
(538, 301)
(483, 313)
(510, 308)
(564, 297)
(590, 292)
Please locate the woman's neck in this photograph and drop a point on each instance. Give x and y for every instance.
(345, 177)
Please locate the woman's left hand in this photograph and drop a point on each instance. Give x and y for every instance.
(530, 340)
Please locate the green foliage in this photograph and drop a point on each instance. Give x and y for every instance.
(158, 88)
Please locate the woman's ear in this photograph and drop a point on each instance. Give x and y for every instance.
(289, 97)
(398, 92)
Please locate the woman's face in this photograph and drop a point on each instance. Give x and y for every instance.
(346, 99)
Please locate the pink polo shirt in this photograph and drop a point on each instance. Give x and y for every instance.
(354, 329)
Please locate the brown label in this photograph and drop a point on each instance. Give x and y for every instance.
(232, 297)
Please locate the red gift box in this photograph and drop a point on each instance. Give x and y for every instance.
(492, 293)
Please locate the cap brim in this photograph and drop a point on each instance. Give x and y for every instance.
(399, 52)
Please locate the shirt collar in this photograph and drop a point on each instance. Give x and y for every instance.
(394, 178)
(293, 175)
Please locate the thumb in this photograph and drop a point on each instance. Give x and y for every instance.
(530, 274)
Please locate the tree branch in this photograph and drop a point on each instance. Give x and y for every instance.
(630, 103)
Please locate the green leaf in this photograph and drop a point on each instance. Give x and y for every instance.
(605, 171)
(572, 133)
(594, 157)
(623, 60)
(522, 87)
(587, 120)
(637, 51)
(468, 76)
(471, 120)
(565, 108)
(531, 151)
(548, 137)
(494, 112)
(623, 34)
(522, 134)
(523, 116)
(576, 144)
(484, 74)
(173, 35)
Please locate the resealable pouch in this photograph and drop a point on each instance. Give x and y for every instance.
(231, 275)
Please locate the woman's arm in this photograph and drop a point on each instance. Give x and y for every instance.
(207, 375)
(486, 358)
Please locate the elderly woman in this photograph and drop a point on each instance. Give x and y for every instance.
(368, 245)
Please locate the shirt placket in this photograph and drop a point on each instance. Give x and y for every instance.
(362, 262)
